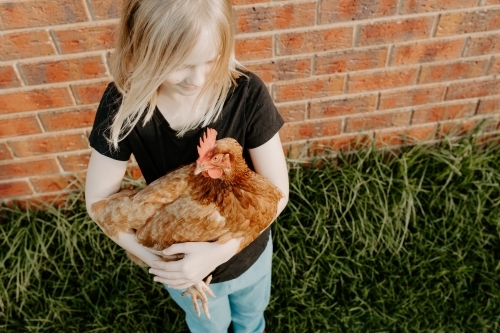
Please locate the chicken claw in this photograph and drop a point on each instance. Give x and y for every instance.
(199, 291)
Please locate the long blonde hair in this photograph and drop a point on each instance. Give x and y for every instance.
(154, 37)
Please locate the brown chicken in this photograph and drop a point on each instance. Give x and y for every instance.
(217, 198)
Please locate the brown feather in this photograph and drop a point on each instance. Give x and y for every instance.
(184, 207)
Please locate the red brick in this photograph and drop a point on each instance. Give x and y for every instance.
(5, 153)
(48, 144)
(495, 66)
(474, 89)
(62, 120)
(344, 106)
(19, 126)
(408, 135)
(86, 39)
(105, 9)
(454, 71)
(456, 127)
(277, 16)
(254, 48)
(56, 183)
(427, 51)
(314, 41)
(489, 105)
(41, 13)
(443, 112)
(491, 2)
(388, 32)
(344, 142)
(295, 150)
(74, 162)
(282, 70)
(8, 77)
(480, 45)
(306, 130)
(411, 96)
(89, 93)
(43, 202)
(63, 70)
(467, 22)
(333, 11)
(306, 89)
(14, 189)
(293, 112)
(349, 61)
(22, 45)
(377, 120)
(28, 168)
(38, 99)
(383, 79)
(421, 6)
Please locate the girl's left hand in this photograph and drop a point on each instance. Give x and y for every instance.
(200, 259)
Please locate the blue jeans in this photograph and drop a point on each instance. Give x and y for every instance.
(241, 300)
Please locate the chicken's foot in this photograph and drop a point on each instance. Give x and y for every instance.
(199, 291)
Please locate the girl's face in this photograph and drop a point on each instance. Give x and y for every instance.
(189, 78)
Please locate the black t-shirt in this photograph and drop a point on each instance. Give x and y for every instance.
(248, 115)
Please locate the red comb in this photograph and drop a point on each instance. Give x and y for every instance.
(207, 142)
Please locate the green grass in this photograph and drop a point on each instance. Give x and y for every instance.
(370, 242)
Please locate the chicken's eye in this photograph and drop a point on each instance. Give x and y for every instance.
(215, 158)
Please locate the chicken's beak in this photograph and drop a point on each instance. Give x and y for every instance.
(199, 168)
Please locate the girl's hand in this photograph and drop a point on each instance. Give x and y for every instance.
(200, 259)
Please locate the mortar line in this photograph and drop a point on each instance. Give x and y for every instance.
(417, 76)
(318, 11)
(489, 65)
(65, 26)
(53, 85)
(466, 45)
(54, 41)
(89, 10)
(477, 107)
(400, 7)
(20, 74)
(435, 25)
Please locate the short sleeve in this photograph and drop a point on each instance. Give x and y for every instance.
(110, 102)
(262, 117)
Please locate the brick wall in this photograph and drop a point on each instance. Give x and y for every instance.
(338, 70)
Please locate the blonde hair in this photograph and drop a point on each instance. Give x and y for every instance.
(154, 37)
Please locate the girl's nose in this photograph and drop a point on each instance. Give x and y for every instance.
(196, 76)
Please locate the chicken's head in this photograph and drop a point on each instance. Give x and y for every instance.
(215, 157)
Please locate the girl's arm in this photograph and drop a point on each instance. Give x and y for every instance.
(269, 161)
(104, 176)
(201, 258)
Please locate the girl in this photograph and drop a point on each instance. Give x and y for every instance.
(175, 74)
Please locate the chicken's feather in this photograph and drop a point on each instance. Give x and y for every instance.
(184, 207)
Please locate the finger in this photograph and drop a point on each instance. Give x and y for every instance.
(174, 284)
(166, 275)
(176, 248)
(169, 266)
